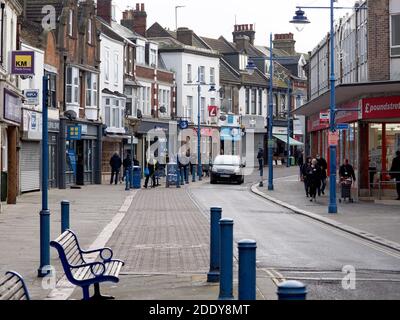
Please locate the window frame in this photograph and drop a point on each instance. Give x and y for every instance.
(212, 75)
(116, 68)
(189, 73)
(202, 74)
(91, 90)
(392, 45)
(73, 85)
(89, 34)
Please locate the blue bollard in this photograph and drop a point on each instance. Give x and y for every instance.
(65, 216)
(292, 290)
(127, 180)
(247, 270)
(213, 275)
(226, 245)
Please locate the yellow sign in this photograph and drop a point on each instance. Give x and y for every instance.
(23, 61)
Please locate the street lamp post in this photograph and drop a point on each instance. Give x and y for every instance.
(288, 125)
(45, 212)
(300, 20)
(270, 120)
(212, 90)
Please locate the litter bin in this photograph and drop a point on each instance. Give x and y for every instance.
(4, 189)
(172, 174)
(292, 161)
(137, 177)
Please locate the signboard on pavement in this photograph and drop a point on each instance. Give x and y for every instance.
(72, 160)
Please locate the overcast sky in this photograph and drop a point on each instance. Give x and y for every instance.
(212, 18)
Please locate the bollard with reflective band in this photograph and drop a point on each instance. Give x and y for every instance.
(226, 251)
(65, 206)
(247, 269)
(213, 275)
(292, 290)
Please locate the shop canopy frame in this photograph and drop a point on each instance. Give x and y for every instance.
(292, 142)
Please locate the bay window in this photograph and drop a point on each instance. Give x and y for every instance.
(140, 55)
(72, 84)
(91, 89)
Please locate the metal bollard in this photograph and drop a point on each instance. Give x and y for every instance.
(64, 216)
(127, 182)
(247, 270)
(226, 245)
(292, 290)
(213, 275)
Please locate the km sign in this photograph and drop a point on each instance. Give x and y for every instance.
(23, 63)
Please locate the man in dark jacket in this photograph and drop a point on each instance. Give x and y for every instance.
(347, 171)
(152, 165)
(324, 167)
(127, 164)
(115, 164)
(395, 172)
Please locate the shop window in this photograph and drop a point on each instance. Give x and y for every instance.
(392, 142)
(375, 146)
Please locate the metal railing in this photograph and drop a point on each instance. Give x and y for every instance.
(380, 179)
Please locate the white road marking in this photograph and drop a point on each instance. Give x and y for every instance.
(64, 288)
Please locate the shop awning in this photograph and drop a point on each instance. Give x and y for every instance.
(346, 93)
(292, 142)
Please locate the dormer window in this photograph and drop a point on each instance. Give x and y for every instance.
(153, 58)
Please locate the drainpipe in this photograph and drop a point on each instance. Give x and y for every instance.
(3, 5)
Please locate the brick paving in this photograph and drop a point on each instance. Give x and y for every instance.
(163, 233)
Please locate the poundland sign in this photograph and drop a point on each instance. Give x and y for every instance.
(23, 63)
(381, 108)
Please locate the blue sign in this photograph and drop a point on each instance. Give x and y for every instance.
(231, 134)
(74, 132)
(183, 124)
(343, 126)
(72, 160)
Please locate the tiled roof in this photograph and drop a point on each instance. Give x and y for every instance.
(220, 45)
(228, 73)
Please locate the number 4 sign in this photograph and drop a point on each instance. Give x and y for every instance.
(212, 111)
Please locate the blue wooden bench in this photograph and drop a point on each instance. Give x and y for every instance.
(81, 273)
(12, 287)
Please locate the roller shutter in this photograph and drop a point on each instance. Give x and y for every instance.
(30, 166)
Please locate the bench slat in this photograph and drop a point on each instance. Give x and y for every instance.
(9, 293)
(5, 279)
(10, 283)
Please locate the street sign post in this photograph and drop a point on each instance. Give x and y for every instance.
(324, 117)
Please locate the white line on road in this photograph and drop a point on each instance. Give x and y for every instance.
(64, 288)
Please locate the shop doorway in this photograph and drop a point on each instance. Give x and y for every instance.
(80, 157)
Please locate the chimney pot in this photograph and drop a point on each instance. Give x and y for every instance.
(142, 7)
(137, 6)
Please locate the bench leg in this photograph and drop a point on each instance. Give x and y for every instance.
(98, 295)
(86, 294)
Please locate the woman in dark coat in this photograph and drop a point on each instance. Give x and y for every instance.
(314, 179)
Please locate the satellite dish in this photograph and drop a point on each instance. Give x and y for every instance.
(70, 114)
(222, 118)
(139, 114)
(163, 110)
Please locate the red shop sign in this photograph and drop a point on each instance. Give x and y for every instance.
(381, 108)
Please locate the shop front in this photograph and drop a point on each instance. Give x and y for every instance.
(369, 136)
(80, 153)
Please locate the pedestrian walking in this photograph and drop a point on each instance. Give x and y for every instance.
(314, 179)
(260, 158)
(323, 164)
(395, 172)
(151, 166)
(304, 170)
(300, 161)
(347, 177)
(115, 163)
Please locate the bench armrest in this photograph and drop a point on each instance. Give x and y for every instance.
(106, 254)
(98, 273)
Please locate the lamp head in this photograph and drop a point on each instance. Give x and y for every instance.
(212, 90)
(251, 67)
(300, 20)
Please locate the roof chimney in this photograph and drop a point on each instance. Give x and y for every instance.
(244, 30)
(242, 42)
(136, 20)
(185, 35)
(286, 42)
(104, 10)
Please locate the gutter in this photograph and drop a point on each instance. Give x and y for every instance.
(3, 5)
